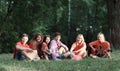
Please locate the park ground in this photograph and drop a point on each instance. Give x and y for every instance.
(88, 64)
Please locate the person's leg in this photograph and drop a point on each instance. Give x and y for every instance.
(93, 56)
(28, 55)
(107, 55)
(67, 54)
(77, 57)
(46, 56)
(36, 59)
(20, 56)
(47, 52)
(23, 57)
(35, 55)
(54, 56)
(61, 50)
(83, 53)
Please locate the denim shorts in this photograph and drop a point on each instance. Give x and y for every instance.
(61, 56)
(20, 56)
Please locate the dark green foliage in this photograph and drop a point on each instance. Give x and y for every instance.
(47, 17)
(8, 41)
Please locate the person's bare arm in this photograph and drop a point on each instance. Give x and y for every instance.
(91, 46)
(72, 47)
(21, 48)
(46, 56)
(64, 46)
(83, 48)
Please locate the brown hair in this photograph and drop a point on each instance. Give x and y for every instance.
(46, 37)
(35, 37)
(57, 33)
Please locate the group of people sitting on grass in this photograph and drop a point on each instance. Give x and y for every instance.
(45, 48)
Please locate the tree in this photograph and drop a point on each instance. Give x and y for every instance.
(47, 17)
(113, 7)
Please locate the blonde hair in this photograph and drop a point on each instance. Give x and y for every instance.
(101, 34)
(81, 36)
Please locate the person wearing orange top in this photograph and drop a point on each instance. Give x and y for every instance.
(36, 42)
(100, 47)
(78, 48)
(45, 47)
(21, 49)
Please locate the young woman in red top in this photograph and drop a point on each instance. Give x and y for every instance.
(79, 47)
(45, 47)
(100, 47)
(36, 43)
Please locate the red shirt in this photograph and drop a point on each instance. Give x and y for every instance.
(79, 46)
(19, 44)
(98, 45)
(44, 47)
(33, 45)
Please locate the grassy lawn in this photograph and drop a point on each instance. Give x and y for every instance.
(88, 64)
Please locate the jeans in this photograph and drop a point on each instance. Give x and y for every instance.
(20, 56)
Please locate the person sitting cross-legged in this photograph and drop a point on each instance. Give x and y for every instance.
(78, 48)
(45, 52)
(36, 43)
(22, 51)
(58, 49)
(100, 47)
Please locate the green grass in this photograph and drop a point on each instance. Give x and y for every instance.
(88, 64)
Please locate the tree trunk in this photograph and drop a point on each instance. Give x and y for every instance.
(114, 22)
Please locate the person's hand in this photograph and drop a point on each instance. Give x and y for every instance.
(71, 54)
(30, 50)
(75, 51)
(94, 49)
(67, 50)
